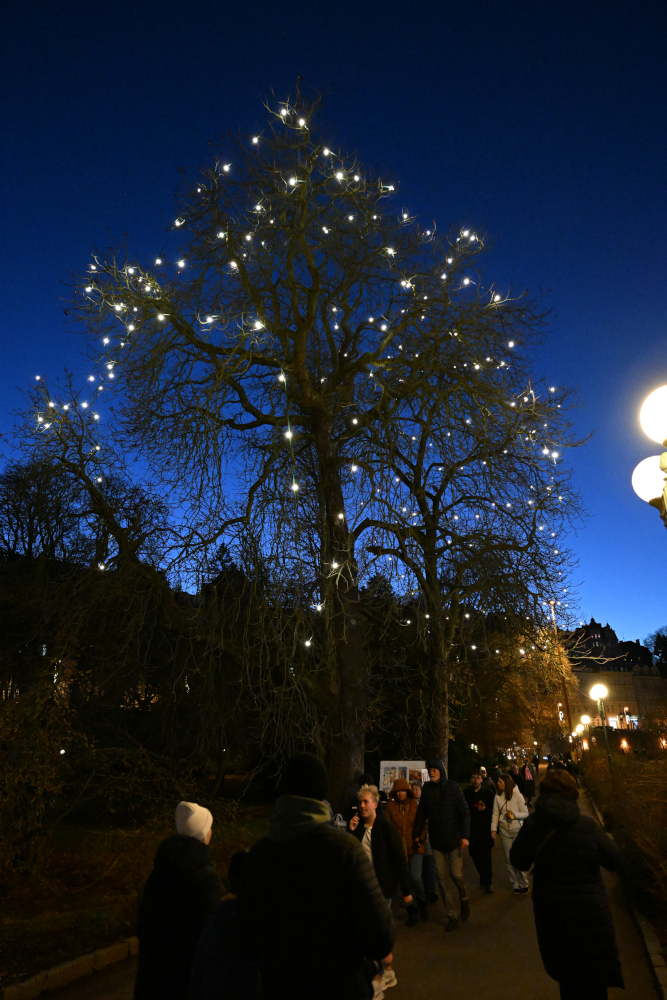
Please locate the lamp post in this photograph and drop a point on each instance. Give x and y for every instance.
(586, 719)
(648, 479)
(599, 692)
(579, 730)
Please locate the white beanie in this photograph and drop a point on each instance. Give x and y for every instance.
(193, 820)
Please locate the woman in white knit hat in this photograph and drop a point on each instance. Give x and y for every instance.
(180, 896)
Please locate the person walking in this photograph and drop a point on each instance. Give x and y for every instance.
(444, 808)
(486, 780)
(528, 774)
(509, 812)
(401, 811)
(311, 912)
(382, 843)
(480, 803)
(517, 778)
(180, 897)
(428, 867)
(216, 973)
(567, 850)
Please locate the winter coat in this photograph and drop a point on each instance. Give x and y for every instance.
(180, 897)
(217, 973)
(402, 815)
(574, 926)
(501, 807)
(444, 808)
(389, 859)
(519, 780)
(480, 805)
(308, 892)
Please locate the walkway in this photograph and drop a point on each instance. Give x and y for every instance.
(494, 956)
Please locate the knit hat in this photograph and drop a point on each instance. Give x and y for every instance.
(193, 820)
(306, 776)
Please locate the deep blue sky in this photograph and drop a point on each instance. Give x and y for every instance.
(542, 123)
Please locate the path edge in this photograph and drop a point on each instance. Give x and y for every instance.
(644, 926)
(68, 972)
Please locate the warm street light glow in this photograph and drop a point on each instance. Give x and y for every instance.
(599, 692)
(586, 719)
(648, 479)
(653, 415)
(580, 728)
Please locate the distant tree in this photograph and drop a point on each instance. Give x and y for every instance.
(657, 643)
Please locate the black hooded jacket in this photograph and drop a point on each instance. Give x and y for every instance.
(180, 896)
(443, 806)
(568, 892)
(310, 908)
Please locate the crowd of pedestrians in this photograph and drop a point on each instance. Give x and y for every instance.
(309, 911)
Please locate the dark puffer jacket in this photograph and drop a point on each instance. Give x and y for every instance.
(444, 807)
(180, 897)
(568, 892)
(311, 912)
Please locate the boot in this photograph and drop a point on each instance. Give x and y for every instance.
(423, 911)
(413, 916)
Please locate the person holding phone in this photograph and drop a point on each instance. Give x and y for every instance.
(509, 812)
(384, 847)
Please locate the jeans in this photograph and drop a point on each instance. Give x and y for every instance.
(481, 856)
(582, 991)
(518, 880)
(415, 864)
(428, 871)
(451, 861)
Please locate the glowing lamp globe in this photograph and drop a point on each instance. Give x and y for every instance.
(579, 728)
(653, 415)
(586, 719)
(598, 691)
(648, 479)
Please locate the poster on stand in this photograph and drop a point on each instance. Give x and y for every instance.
(411, 770)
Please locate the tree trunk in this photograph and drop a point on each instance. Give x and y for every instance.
(348, 724)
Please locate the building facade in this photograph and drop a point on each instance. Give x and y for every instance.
(637, 693)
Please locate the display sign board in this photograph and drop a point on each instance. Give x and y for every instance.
(411, 770)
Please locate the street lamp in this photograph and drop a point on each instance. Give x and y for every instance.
(586, 719)
(648, 479)
(599, 692)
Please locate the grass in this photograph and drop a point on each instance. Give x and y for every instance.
(84, 894)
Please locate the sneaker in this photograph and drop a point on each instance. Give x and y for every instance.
(517, 892)
(378, 989)
(452, 924)
(389, 979)
(524, 890)
(465, 909)
(488, 889)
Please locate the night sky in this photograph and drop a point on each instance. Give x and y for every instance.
(542, 124)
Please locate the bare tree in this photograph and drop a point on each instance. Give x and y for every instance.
(303, 323)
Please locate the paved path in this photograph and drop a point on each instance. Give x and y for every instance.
(494, 956)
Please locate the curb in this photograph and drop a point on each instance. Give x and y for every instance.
(61, 975)
(644, 926)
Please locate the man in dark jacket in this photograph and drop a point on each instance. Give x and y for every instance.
(310, 908)
(567, 850)
(180, 897)
(216, 972)
(480, 804)
(444, 808)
